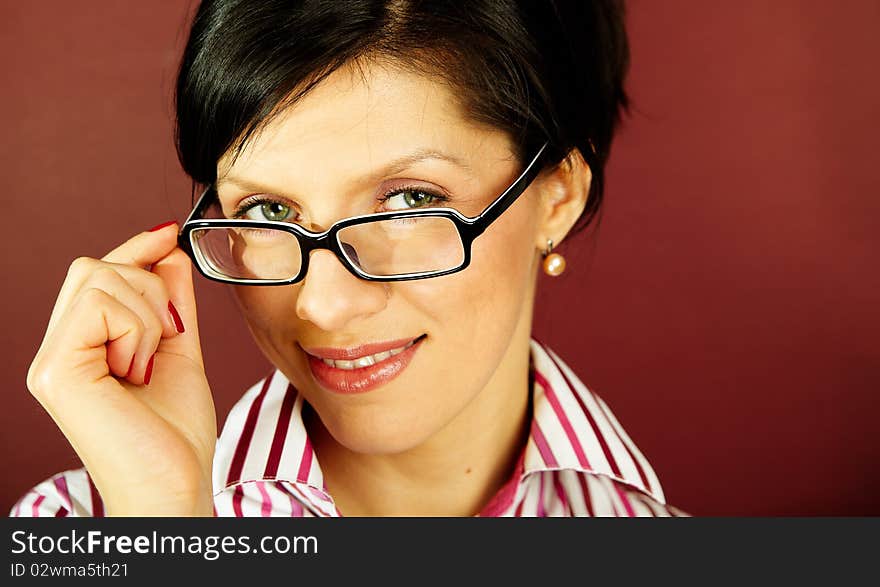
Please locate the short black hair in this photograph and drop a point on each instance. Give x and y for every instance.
(541, 70)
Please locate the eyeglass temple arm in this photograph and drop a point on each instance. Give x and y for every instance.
(202, 203)
(505, 200)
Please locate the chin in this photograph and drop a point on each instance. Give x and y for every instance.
(377, 434)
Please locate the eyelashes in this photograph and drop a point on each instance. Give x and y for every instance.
(263, 204)
(399, 198)
(411, 198)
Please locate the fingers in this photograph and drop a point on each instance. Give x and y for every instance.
(86, 272)
(175, 271)
(157, 304)
(138, 252)
(76, 356)
(145, 248)
(132, 336)
(110, 312)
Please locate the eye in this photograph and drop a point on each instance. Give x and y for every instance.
(411, 198)
(264, 209)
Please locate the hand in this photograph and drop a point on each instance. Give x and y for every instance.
(124, 386)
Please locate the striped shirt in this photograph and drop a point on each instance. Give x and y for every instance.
(577, 461)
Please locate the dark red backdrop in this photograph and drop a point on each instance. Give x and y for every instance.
(727, 309)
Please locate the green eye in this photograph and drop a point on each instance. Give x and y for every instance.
(275, 211)
(415, 199)
(407, 199)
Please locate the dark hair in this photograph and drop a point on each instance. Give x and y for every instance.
(539, 70)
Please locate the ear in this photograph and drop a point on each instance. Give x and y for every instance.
(564, 192)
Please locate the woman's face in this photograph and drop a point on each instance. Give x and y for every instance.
(338, 152)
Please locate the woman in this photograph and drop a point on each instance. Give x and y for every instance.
(384, 181)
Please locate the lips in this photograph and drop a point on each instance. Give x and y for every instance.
(362, 368)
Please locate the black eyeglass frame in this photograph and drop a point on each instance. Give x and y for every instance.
(469, 228)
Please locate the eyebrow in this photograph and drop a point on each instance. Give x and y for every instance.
(393, 167)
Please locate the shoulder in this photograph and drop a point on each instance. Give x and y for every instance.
(69, 493)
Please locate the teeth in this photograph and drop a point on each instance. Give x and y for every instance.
(366, 361)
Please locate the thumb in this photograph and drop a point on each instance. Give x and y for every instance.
(176, 271)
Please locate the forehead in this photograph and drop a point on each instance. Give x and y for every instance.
(363, 115)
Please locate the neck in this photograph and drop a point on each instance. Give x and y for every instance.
(455, 472)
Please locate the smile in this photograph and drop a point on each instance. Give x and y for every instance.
(368, 360)
(363, 368)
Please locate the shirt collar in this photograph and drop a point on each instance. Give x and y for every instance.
(573, 429)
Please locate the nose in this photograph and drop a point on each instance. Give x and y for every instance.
(332, 298)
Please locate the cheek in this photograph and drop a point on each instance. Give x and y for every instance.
(479, 307)
(265, 309)
(502, 260)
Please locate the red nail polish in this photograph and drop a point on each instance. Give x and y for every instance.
(178, 323)
(161, 226)
(149, 372)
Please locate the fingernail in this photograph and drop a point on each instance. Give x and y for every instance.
(178, 323)
(161, 226)
(149, 372)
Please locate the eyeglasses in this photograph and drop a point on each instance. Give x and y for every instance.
(386, 246)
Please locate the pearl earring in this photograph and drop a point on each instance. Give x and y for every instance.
(554, 263)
